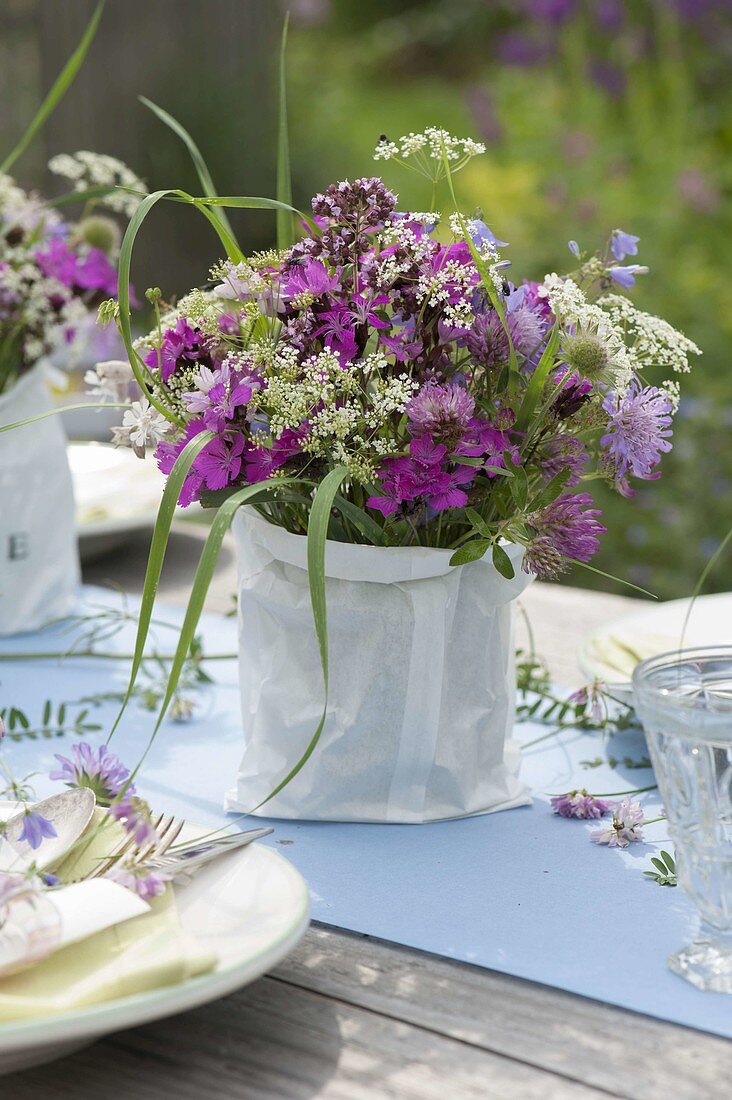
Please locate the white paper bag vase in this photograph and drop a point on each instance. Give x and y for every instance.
(422, 682)
(39, 561)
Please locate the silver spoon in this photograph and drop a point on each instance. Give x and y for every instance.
(69, 812)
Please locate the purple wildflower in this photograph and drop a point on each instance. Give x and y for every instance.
(36, 828)
(181, 347)
(444, 412)
(338, 331)
(311, 277)
(134, 815)
(625, 827)
(218, 394)
(145, 883)
(566, 530)
(480, 235)
(564, 452)
(220, 462)
(625, 276)
(638, 431)
(96, 768)
(487, 340)
(623, 244)
(582, 804)
(261, 462)
(574, 393)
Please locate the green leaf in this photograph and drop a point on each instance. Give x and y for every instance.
(58, 91)
(669, 861)
(199, 163)
(660, 865)
(502, 562)
(158, 546)
(520, 489)
(478, 522)
(368, 526)
(537, 380)
(317, 536)
(285, 235)
(471, 551)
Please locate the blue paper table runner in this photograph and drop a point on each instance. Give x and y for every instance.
(522, 892)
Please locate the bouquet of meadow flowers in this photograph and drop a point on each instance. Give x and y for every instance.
(54, 273)
(387, 387)
(466, 409)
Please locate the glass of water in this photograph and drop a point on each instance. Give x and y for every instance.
(684, 700)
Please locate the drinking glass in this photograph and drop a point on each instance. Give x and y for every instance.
(684, 700)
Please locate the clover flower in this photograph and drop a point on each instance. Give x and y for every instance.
(580, 804)
(566, 530)
(628, 817)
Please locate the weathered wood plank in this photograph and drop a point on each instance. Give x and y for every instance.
(602, 1046)
(275, 1041)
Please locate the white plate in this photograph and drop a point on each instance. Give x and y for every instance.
(251, 907)
(116, 495)
(656, 629)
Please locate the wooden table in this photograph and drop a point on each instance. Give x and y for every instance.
(346, 1017)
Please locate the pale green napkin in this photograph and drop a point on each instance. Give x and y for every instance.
(138, 955)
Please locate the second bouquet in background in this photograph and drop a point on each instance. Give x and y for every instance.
(383, 386)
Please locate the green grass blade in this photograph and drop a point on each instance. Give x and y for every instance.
(285, 236)
(62, 409)
(58, 91)
(317, 536)
(368, 526)
(88, 195)
(201, 583)
(199, 163)
(156, 557)
(610, 577)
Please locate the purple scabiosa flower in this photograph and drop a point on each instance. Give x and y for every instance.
(625, 827)
(443, 412)
(638, 431)
(581, 804)
(220, 461)
(96, 768)
(527, 327)
(566, 530)
(36, 828)
(145, 883)
(623, 244)
(625, 276)
(134, 816)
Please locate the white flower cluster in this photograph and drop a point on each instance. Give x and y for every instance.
(47, 312)
(25, 210)
(571, 308)
(438, 287)
(431, 142)
(142, 427)
(401, 234)
(111, 380)
(87, 170)
(654, 341)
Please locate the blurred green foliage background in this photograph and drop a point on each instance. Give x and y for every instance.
(597, 114)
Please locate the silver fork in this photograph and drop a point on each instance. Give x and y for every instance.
(167, 830)
(181, 863)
